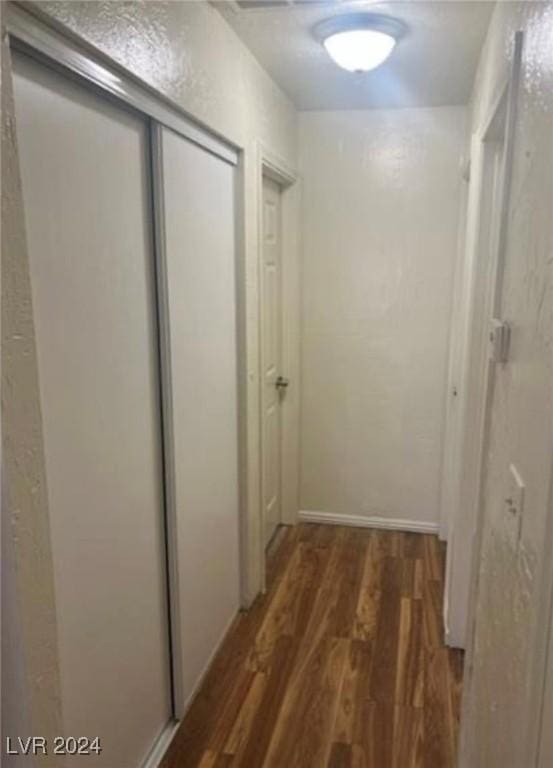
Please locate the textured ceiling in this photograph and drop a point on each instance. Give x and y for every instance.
(434, 65)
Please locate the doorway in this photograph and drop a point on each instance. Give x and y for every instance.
(276, 463)
(491, 159)
(274, 383)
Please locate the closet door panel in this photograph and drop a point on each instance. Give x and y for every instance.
(85, 176)
(200, 253)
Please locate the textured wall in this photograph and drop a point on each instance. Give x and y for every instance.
(381, 202)
(15, 717)
(31, 644)
(503, 692)
(189, 53)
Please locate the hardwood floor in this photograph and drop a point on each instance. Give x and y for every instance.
(340, 665)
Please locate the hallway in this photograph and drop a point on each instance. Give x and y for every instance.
(340, 663)
(277, 366)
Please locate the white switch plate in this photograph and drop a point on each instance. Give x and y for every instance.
(514, 505)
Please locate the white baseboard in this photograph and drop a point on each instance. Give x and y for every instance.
(359, 521)
(155, 757)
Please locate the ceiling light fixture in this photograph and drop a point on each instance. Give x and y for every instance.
(359, 42)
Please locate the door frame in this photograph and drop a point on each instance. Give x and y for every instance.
(458, 611)
(271, 166)
(450, 450)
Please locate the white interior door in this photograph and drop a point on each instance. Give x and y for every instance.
(198, 191)
(85, 183)
(272, 393)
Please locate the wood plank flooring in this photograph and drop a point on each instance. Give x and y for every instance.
(340, 665)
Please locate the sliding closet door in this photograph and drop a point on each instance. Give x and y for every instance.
(85, 177)
(198, 191)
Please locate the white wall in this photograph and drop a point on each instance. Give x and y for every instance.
(503, 692)
(381, 203)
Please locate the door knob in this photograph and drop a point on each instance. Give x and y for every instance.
(281, 382)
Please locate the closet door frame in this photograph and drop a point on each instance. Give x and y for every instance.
(57, 48)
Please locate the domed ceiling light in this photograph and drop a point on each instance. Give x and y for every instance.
(359, 42)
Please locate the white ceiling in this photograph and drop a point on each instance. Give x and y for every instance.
(433, 65)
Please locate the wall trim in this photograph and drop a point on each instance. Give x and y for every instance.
(359, 521)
